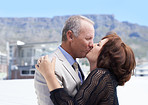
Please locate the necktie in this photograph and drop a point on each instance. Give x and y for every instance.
(76, 67)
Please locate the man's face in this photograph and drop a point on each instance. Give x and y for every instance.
(82, 44)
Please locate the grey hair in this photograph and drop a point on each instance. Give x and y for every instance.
(73, 23)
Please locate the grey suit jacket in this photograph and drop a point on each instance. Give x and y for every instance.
(66, 75)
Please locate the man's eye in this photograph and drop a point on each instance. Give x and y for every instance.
(98, 44)
(88, 38)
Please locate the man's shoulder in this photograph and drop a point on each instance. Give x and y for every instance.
(57, 53)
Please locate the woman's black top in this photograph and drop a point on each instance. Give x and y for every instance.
(99, 88)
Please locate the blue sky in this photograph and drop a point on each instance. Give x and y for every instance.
(133, 11)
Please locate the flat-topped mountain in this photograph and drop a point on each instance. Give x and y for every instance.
(49, 29)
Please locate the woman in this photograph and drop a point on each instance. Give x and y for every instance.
(111, 64)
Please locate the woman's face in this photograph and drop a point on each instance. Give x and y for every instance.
(92, 56)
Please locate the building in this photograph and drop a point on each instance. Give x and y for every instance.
(142, 69)
(3, 66)
(24, 56)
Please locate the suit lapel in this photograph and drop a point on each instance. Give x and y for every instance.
(67, 66)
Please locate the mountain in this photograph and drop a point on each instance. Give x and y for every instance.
(49, 29)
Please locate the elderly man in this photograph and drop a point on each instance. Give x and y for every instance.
(77, 41)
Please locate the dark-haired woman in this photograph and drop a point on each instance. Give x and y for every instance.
(111, 64)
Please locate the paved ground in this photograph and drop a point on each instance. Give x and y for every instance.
(21, 92)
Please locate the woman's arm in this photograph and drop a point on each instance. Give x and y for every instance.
(91, 92)
(46, 68)
(95, 87)
(58, 95)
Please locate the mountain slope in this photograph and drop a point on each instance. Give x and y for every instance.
(49, 29)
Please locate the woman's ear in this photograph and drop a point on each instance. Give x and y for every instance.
(69, 35)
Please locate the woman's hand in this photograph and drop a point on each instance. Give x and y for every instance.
(46, 67)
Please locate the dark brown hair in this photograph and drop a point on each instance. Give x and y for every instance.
(117, 57)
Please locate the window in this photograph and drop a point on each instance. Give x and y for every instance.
(28, 72)
(25, 71)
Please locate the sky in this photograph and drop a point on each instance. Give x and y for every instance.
(133, 11)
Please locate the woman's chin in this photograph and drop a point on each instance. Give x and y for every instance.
(87, 56)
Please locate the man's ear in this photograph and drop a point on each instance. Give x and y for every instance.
(69, 35)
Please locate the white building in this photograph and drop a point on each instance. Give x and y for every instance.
(24, 56)
(3, 65)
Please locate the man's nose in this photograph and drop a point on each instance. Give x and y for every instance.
(91, 44)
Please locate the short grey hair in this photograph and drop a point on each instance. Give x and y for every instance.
(73, 23)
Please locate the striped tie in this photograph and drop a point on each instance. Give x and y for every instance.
(75, 65)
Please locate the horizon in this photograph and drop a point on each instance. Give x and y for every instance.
(79, 14)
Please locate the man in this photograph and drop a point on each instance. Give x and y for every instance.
(77, 41)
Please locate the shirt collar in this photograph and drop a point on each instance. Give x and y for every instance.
(67, 56)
